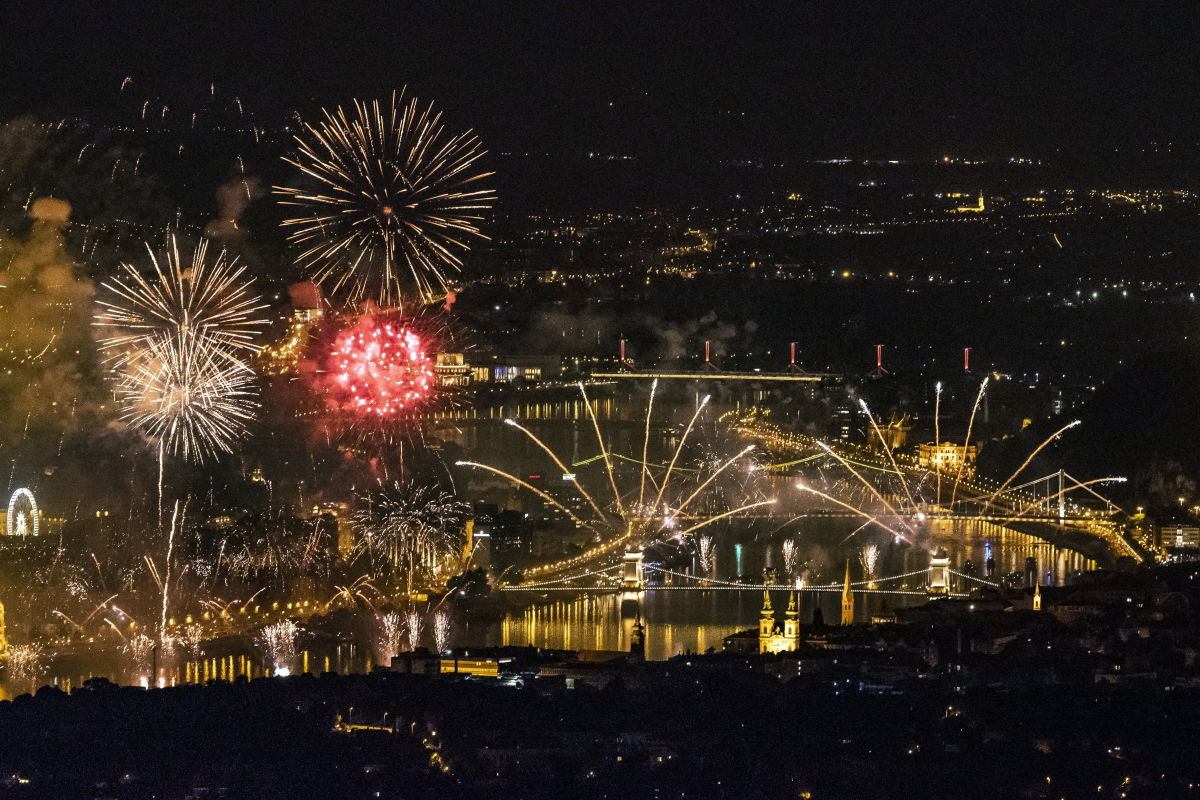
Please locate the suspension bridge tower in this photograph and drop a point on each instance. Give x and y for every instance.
(633, 575)
(939, 573)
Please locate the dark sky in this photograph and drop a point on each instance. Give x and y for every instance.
(730, 79)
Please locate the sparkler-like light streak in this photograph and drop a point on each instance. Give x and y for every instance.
(870, 486)
(1028, 460)
(412, 626)
(441, 630)
(604, 449)
(395, 203)
(391, 635)
(705, 550)
(789, 556)
(804, 487)
(937, 435)
(887, 449)
(278, 643)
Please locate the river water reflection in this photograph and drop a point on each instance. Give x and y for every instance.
(693, 621)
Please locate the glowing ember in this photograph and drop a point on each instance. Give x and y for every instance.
(378, 368)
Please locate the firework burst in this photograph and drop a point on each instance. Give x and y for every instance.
(396, 199)
(197, 297)
(378, 368)
(180, 392)
(179, 342)
(408, 530)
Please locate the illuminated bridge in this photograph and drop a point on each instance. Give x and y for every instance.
(631, 576)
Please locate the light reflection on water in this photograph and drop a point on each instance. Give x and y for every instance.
(694, 621)
(228, 665)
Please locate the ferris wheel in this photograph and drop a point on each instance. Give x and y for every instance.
(22, 518)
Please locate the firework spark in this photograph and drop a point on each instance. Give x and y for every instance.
(278, 644)
(441, 630)
(789, 557)
(412, 626)
(705, 549)
(391, 635)
(395, 200)
(869, 556)
(26, 662)
(139, 649)
(378, 368)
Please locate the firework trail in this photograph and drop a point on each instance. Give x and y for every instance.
(632, 520)
(278, 645)
(26, 663)
(412, 626)
(441, 630)
(705, 550)
(394, 201)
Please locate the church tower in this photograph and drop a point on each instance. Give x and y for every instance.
(791, 623)
(1037, 597)
(766, 619)
(847, 599)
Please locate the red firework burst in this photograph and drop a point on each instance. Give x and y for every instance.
(379, 368)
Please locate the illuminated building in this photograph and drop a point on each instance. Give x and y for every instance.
(771, 637)
(1180, 535)
(452, 369)
(1037, 597)
(980, 206)
(946, 457)
(505, 369)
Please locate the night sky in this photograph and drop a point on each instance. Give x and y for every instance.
(661, 80)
